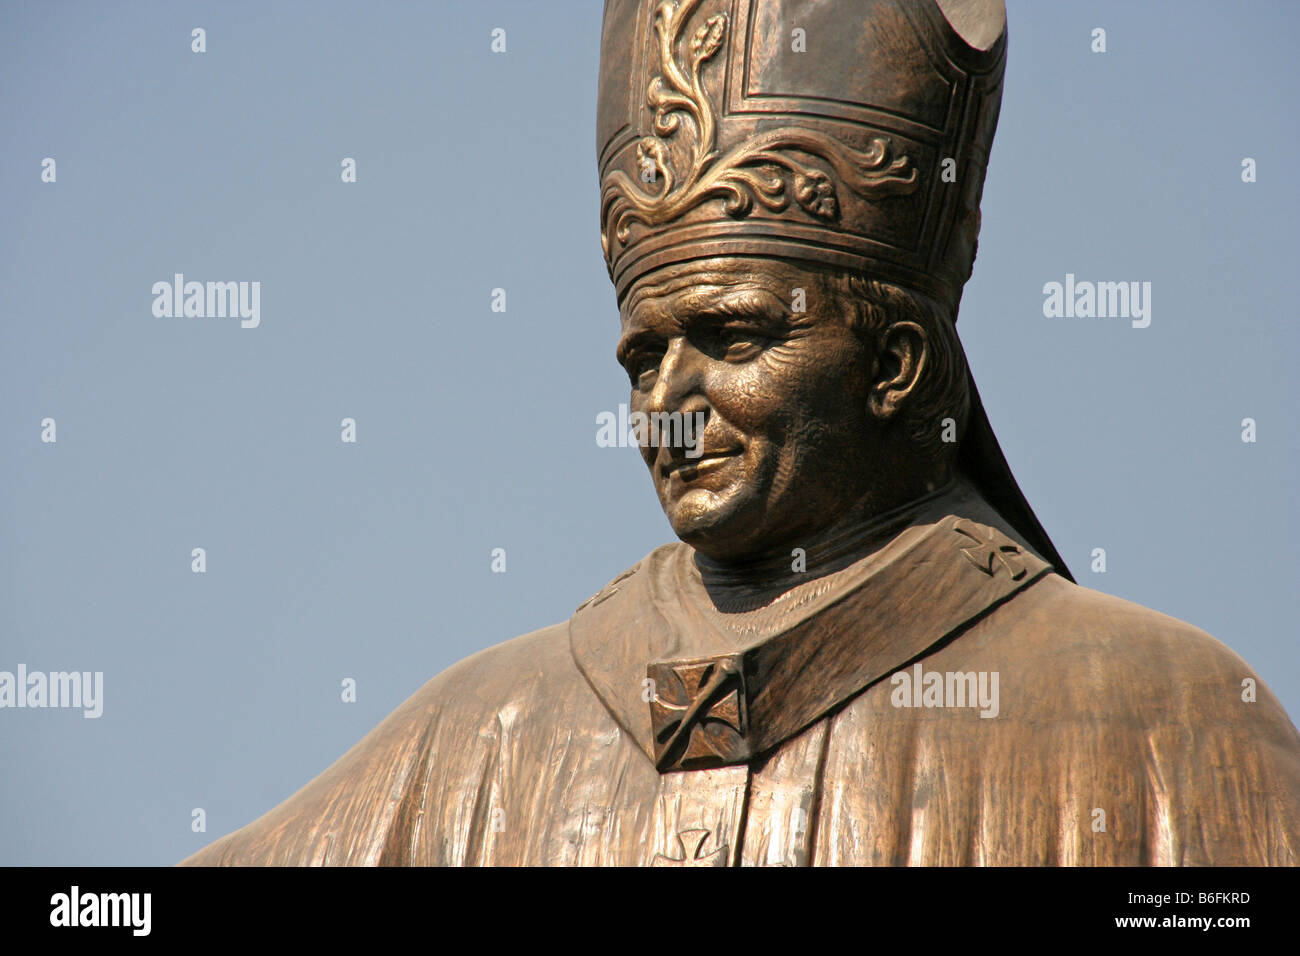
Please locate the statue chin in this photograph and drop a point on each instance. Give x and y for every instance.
(714, 523)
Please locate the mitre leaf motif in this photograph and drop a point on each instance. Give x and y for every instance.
(763, 169)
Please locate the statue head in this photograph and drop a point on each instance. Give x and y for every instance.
(790, 203)
(819, 394)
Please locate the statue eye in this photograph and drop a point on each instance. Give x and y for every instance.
(732, 343)
(643, 368)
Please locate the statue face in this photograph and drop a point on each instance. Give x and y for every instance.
(786, 446)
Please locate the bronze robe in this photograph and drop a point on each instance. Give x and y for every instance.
(1120, 736)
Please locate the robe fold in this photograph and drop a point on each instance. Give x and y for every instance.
(946, 700)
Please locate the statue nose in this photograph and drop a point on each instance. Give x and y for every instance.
(678, 377)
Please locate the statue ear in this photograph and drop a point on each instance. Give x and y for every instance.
(898, 366)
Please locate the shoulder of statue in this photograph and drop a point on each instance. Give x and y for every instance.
(634, 579)
(453, 722)
(509, 671)
(1124, 630)
(1141, 663)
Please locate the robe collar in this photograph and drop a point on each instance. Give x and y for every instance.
(694, 697)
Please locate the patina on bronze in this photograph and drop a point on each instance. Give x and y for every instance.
(865, 649)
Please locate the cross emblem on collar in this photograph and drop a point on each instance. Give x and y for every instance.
(988, 550)
(698, 713)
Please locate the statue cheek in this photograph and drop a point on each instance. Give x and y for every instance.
(771, 384)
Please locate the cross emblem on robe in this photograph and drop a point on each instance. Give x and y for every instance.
(690, 845)
(698, 713)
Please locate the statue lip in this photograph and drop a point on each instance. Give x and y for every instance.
(676, 465)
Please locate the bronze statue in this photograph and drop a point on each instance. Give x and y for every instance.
(865, 650)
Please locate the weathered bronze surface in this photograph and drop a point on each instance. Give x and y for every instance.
(865, 649)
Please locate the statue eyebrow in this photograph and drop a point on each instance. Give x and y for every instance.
(721, 315)
(750, 304)
(632, 341)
